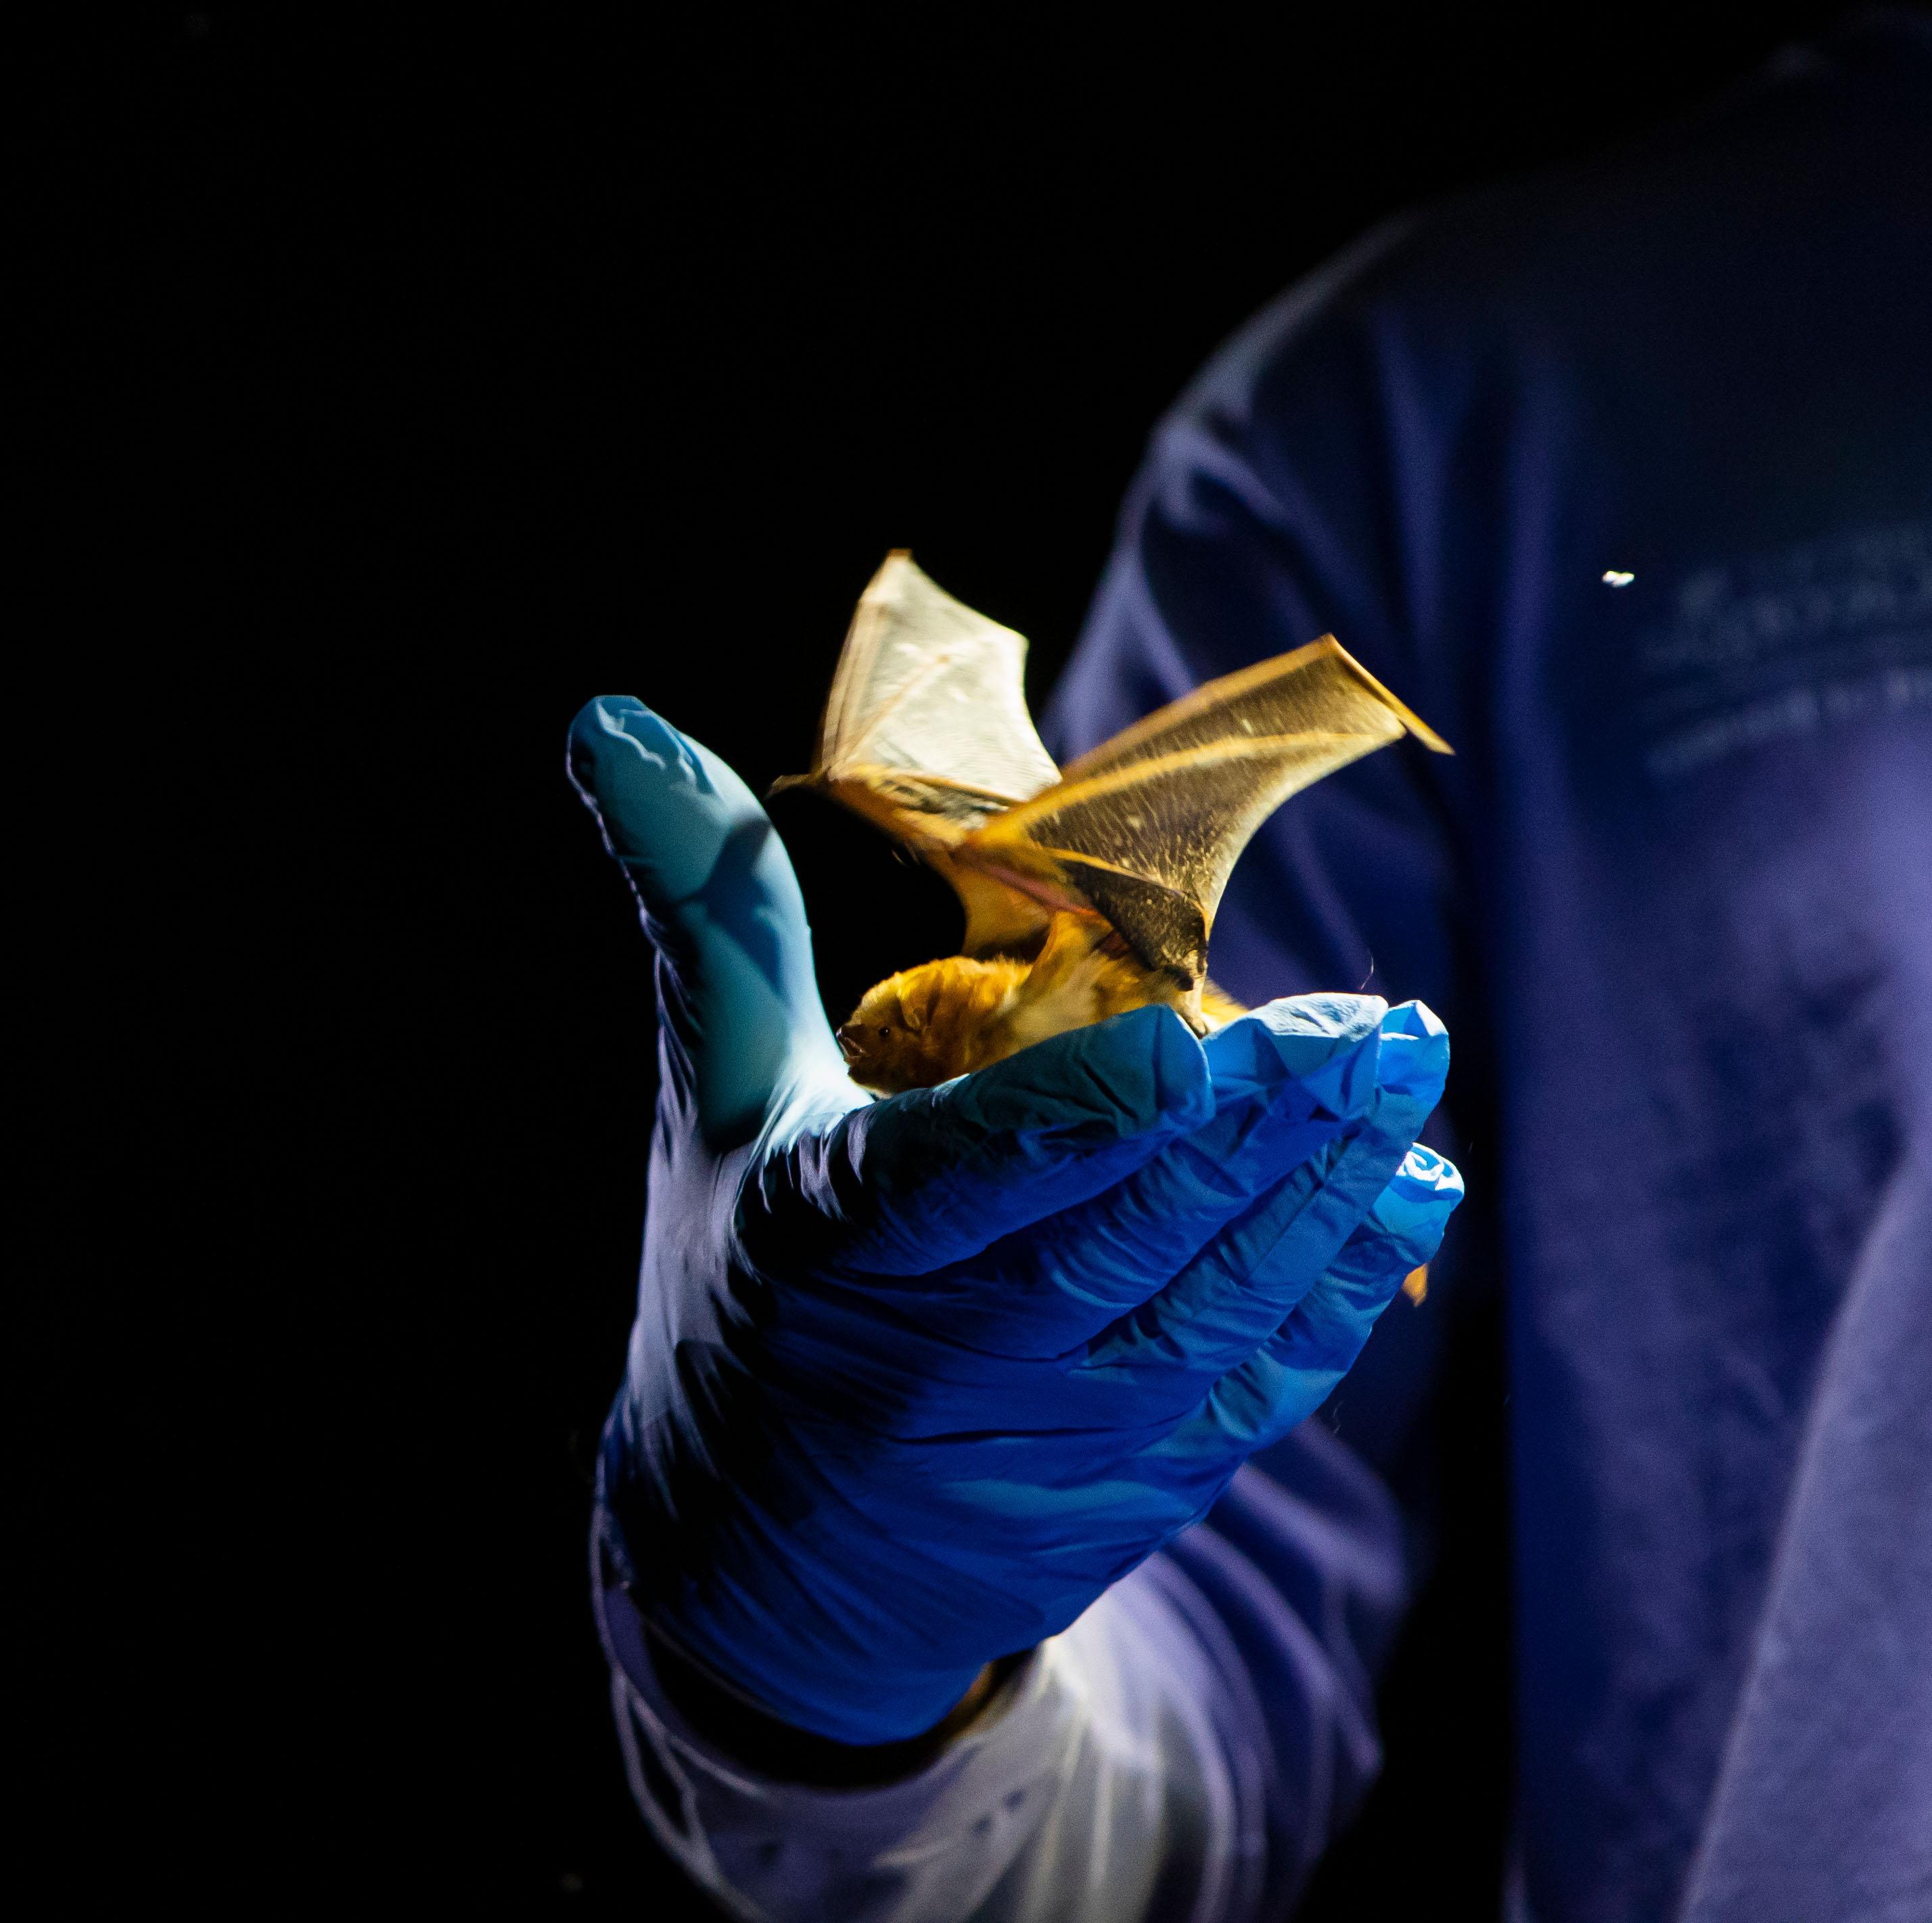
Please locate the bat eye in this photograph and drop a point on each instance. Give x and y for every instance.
(885, 1034)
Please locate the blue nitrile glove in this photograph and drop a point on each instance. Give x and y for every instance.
(913, 1381)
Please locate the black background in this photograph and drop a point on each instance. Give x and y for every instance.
(412, 385)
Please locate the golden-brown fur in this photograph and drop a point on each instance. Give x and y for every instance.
(925, 1024)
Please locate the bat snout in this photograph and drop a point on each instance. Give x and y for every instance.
(849, 1045)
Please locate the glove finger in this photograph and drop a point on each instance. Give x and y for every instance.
(1287, 1078)
(854, 1351)
(906, 1186)
(1227, 1300)
(1294, 1370)
(737, 998)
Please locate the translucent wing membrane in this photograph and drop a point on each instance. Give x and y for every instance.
(927, 729)
(1150, 825)
(927, 732)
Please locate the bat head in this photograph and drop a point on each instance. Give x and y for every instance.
(924, 1025)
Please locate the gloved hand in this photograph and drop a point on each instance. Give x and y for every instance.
(913, 1381)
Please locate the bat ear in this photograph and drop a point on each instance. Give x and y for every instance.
(921, 991)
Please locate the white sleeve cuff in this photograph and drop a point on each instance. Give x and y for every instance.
(1094, 1788)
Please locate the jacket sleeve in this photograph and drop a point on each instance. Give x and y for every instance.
(1177, 1754)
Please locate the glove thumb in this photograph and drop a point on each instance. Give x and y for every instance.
(738, 1002)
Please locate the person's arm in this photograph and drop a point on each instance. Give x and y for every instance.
(1138, 1766)
(1186, 1746)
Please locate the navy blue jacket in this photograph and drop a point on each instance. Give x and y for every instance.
(1623, 479)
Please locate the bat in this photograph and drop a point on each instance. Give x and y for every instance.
(1088, 890)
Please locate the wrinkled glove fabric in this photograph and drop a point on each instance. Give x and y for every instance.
(912, 1382)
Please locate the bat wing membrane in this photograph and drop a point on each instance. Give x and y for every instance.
(1148, 826)
(926, 729)
(926, 732)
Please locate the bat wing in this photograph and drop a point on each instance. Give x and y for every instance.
(926, 732)
(1148, 826)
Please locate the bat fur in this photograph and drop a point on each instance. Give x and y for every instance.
(947, 1017)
